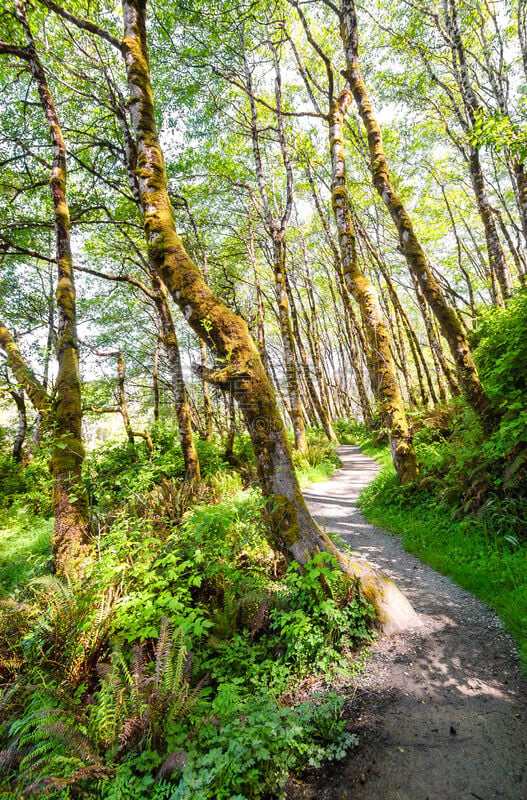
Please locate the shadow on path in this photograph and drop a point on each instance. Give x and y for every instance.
(441, 711)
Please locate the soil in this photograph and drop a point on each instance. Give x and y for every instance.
(441, 710)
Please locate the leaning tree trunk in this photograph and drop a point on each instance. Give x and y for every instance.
(241, 372)
(349, 316)
(409, 243)
(382, 369)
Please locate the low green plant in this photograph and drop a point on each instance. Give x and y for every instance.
(195, 559)
(321, 615)
(349, 431)
(140, 702)
(26, 486)
(320, 461)
(250, 744)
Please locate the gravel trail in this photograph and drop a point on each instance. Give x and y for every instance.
(441, 711)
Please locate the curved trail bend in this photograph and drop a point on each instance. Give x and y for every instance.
(441, 711)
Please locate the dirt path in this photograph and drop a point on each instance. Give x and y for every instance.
(441, 711)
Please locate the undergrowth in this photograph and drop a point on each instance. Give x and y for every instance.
(169, 672)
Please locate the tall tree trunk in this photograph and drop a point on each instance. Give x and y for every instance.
(497, 260)
(282, 300)
(123, 408)
(276, 230)
(241, 371)
(71, 554)
(417, 353)
(408, 240)
(349, 316)
(321, 412)
(71, 534)
(314, 338)
(440, 361)
(155, 377)
(37, 435)
(382, 369)
(398, 349)
(18, 444)
(182, 406)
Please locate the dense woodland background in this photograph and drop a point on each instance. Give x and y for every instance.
(233, 236)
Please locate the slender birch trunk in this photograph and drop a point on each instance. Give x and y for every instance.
(276, 230)
(123, 408)
(321, 412)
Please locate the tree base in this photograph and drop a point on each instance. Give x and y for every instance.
(394, 611)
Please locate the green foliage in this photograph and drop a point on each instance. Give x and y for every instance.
(72, 629)
(218, 551)
(321, 615)
(321, 460)
(499, 131)
(25, 549)
(106, 674)
(28, 485)
(112, 477)
(349, 431)
(48, 746)
(249, 746)
(139, 703)
(501, 355)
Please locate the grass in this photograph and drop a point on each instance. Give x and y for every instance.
(319, 463)
(487, 566)
(308, 473)
(24, 548)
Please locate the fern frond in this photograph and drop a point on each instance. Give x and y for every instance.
(162, 653)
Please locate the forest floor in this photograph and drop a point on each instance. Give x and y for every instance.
(440, 711)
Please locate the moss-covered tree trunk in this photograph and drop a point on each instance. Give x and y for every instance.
(349, 315)
(408, 240)
(240, 368)
(382, 368)
(70, 541)
(288, 343)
